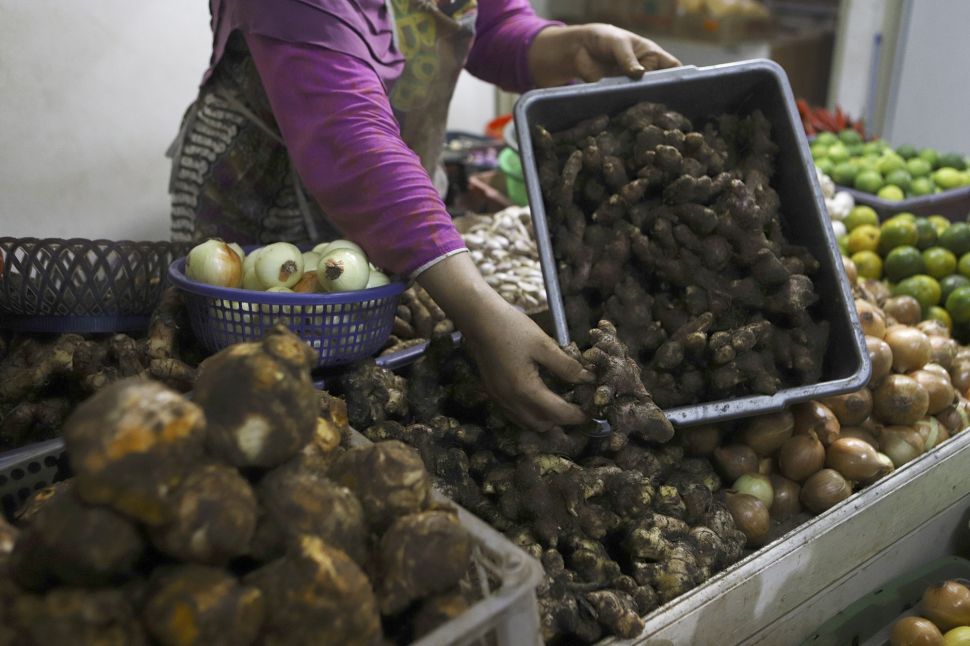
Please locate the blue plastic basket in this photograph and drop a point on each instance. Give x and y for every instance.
(342, 327)
(57, 285)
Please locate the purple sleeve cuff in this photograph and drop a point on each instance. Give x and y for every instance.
(500, 54)
(345, 143)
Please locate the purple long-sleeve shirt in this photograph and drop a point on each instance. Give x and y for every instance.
(330, 100)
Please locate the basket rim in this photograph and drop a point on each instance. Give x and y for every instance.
(176, 274)
(88, 241)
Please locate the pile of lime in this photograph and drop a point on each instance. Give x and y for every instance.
(926, 258)
(874, 167)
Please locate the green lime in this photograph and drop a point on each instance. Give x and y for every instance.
(927, 233)
(963, 265)
(947, 178)
(930, 156)
(826, 138)
(923, 288)
(838, 153)
(856, 150)
(899, 178)
(864, 237)
(922, 186)
(903, 262)
(891, 192)
(827, 166)
(869, 181)
(890, 162)
(956, 238)
(903, 216)
(953, 160)
(939, 223)
(868, 264)
(937, 313)
(872, 148)
(819, 152)
(843, 242)
(844, 172)
(850, 136)
(897, 233)
(860, 214)
(906, 151)
(939, 262)
(918, 167)
(958, 305)
(951, 282)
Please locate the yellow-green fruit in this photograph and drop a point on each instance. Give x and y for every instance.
(939, 262)
(891, 192)
(959, 636)
(923, 288)
(860, 215)
(868, 264)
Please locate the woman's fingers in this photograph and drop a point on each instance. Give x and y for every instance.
(561, 365)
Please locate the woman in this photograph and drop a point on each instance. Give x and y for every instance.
(339, 107)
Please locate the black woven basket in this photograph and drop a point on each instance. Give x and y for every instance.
(60, 285)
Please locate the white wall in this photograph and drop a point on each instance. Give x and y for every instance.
(91, 94)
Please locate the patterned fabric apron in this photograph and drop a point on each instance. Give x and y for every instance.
(231, 174)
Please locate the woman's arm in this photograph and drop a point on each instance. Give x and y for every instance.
(344, 141)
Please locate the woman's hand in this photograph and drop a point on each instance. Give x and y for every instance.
(507, 345)
(590, 52)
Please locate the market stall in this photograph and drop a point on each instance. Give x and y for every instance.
(279, 443)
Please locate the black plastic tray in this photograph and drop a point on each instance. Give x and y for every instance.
(953, 204)
(700, 93)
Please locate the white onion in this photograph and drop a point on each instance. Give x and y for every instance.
(377, 278)
(214, 263)
(239, 251)
(838, 228)
(279, 264)
(249, 262)
(310, 260)
(324, 247)
(343, 270)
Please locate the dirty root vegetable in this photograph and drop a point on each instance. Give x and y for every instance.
(766, 433)
(734, 460)
(905, 309)
(131, 444)
(900, 400)
(910, 347)
(947, 605)
(855, 460)
(700, 440)
(73, 543)
(800, 457)
(750, 515)
(915, 631)
(343, 270)
(279, 265)
(871, 318)
(901, 444)
(757, 485)
(316, 595)
(825, 489)
(77, 616)
(201, 605)
(881, 356)
(213, 262)
(388, 479)
(785, 503)
(259, 400)
(422, 554)
(817, 420)
(214, 517)
(851, 409)
(938, 388)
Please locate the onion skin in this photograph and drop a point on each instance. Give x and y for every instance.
(851, 409)
(881, 356)
(960, 374)
(855, 460)
(824, 490)
(956, 418)
(279, 265)
(943, 350)
(911, 348)
(766, 466)
(938, 388)
(851, 271)
(757, 485)
(932, 327)
(947, 605)
(959, 636)
(750, 516)
(860, 433)
(343, 270)
(785, 503)
(901, 443)
(932, 432)
(905, 309)
(735, 460)
(872, 319)
(900, 400)
(816, 419)
(915, 631)
(766, 433)
(213, 262)
(308, 284)
(800, 457)
(700, 440)
(377, 279)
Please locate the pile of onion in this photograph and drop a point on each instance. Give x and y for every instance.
(943, 619)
